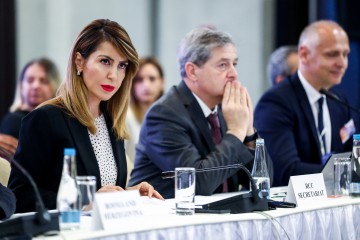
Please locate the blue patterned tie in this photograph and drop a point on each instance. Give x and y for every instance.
(321, 125)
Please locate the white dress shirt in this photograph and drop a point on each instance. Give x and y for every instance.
(206, 110)
(313, 97)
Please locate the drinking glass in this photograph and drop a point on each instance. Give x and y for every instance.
(342, 176)
(87, 188)
(185, 190)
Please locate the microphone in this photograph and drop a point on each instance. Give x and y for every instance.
(171, 174)
(29, 225)
(254, 200)
(337, 99)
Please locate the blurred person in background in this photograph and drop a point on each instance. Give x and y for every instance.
(38, 82)
(148, 86)
(283, 62)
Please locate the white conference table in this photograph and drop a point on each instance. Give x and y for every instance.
(336, 218)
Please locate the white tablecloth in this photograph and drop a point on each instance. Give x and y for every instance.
(334, 219)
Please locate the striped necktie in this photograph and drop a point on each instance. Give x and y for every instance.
(216, 136)
(321, 129)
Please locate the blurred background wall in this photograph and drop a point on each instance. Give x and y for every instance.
(47, 28)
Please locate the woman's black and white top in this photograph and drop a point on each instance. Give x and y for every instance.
(101, 144)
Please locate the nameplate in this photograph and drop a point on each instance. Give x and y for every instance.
(306, 189)
(114, 209)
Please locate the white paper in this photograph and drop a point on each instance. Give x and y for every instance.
(306, 189)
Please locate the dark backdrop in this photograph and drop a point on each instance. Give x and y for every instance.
(7, 54)
(291, 18)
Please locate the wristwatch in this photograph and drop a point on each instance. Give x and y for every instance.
(251, 137)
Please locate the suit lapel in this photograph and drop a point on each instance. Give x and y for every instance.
(84, 150)
(233, 181)
(334, 119)
(119, 153)
(201, 122)
(222, 121)
(196, 113)
(305, 105)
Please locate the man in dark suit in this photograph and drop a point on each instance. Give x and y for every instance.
(176, 132)
(299, 124)
(7, 202)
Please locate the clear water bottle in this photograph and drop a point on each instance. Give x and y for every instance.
(355, 166)
(68, 197)
(260, 171)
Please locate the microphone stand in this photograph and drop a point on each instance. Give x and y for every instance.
(171, 174)
(337, 99)
(29, 225)
(254, 200)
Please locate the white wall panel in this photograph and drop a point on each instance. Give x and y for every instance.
(48, 28)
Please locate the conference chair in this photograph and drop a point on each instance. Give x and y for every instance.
(5, 169)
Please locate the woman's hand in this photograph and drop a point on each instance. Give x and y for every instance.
(146, 189)
(110, 188)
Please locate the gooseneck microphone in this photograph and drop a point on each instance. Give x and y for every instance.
(337, 99)
(255, 200)
(29, 225)
(171, 174)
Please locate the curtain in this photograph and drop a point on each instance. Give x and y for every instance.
(7, 55)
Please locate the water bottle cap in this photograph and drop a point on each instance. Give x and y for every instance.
(356, 136)
(260, 141)
(70, 151)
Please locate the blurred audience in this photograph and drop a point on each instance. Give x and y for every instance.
(148, 86)
(38, 82)
(283, 62)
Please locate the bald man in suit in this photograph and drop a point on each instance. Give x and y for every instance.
(301, 127)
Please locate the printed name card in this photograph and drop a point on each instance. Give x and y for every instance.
(114, 209)
(306, 189)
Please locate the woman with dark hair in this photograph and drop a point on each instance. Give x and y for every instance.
(88, 114)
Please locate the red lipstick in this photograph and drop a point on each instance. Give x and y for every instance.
(108, 88)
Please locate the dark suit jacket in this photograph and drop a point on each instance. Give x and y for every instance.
(7, 202)
(44, 134)
(283, 117)
(175, 133)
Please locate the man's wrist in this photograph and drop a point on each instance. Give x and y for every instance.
(251, 138)
(240, 135)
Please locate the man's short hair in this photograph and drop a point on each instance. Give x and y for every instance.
(197, 45)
